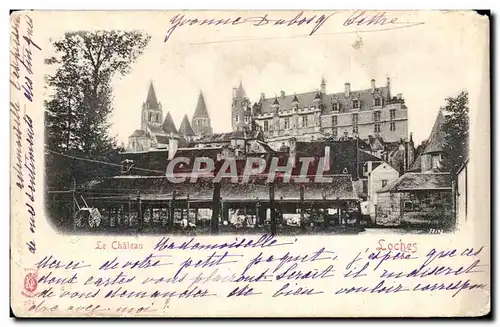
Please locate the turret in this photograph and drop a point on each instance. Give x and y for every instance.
(240, 109)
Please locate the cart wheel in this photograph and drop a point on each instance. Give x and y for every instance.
(95, 218)
(81, 218)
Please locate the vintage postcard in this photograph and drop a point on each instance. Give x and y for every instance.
(250, 163)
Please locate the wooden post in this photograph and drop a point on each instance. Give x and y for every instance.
(273, 209)
(108, 208)
(215, 209)
(301, 203)
(129, 212)
(196, 217)
(73, 191)
(171, 213)
(151, 220)
(322, 209)
(187, 213)
(257, 212)
(401, 206)
(139, 213)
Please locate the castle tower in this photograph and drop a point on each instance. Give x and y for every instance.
(323, 85)
(201, 120)
(152, 113)
(240, 110)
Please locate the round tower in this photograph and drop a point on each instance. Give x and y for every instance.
(241, 111)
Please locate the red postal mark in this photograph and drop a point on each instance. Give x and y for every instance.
(30, 282)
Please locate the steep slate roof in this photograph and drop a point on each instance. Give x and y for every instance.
(201, 107)
(162, 139)
(138, 133)
(155, 129)
(227, 137)
(436, 139)
(154, 161)
(416, 166)
(185, 129)
(364, 156)
(168, 125)
(307, 99)
(419, 182)
(151, 98)
(240, 92)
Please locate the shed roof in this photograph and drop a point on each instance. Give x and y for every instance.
(419, 182)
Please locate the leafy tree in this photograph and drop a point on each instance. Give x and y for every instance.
(81, 99)
(456, 129)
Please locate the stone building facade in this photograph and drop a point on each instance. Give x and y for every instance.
(309, 116)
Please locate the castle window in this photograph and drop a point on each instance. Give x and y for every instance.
(354, 119)
(304, 121)
(436, 161)
(335, 106)
(246, 119)
(150, 116)
(286, 123)
(393, 114)
(355, 104)
(376, 128)
(334, 121)
(393, 127)
(236, 118)
(377, 102)
(384, 182)
(355, 129)
(376, 116)
(266, 126)
(335, 132)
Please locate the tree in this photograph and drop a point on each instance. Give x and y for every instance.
(456, 130)
(80, 101)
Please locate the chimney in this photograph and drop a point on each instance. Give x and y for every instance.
(347, 89)
(373, 86)
(327, 159)
(262, 96)
(282, 94)
(400, 96)
(388, 82)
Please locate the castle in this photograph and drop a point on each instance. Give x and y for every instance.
(366, 113)
(370, 114)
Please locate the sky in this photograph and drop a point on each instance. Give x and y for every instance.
(426, 62)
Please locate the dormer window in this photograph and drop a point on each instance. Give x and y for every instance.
(335, 106)
(266, 126)
(355, 104)
(377, 102)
